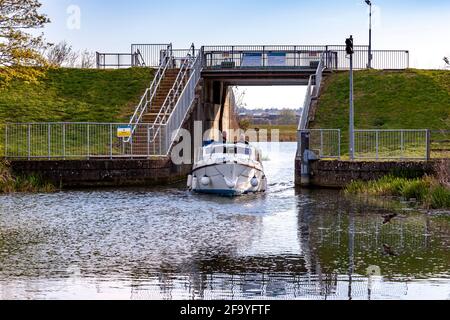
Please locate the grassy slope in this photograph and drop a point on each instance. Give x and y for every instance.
(75, 95)
(412, 99)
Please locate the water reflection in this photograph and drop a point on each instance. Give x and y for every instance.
(169, 244)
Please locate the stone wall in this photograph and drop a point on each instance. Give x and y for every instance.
(338, 174)
(104, 173)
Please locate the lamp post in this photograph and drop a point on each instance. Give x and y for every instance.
(350, 51)
(369, 65)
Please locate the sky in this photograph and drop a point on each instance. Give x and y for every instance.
(423, 27)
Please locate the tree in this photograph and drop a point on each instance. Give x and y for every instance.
(62, 54)
(87, 60)
(19, 50)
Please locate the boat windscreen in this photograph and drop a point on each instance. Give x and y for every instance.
(229, 149)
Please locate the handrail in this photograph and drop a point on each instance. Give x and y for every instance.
(181, 105)
(312, 92)
(150, 93)
(184, 103)
(174, 93)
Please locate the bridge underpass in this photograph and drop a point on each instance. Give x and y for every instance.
(190, 85)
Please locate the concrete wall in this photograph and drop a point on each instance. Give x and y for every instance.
(338, 174)
(104, 173)
(215, 108)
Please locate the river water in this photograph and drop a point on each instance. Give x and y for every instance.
(166, 243)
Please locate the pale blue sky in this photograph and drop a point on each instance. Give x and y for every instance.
(423, 27)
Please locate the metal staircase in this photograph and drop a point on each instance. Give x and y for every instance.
(165, 105)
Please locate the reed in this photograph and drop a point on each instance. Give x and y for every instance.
(10, 183)
(431, 192)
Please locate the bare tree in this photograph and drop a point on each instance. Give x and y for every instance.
(240, 97)
(87, 59)
(447, 62)
(62, 54)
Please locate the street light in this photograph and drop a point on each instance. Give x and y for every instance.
(369, 65)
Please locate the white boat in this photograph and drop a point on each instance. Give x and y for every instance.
(228, 170)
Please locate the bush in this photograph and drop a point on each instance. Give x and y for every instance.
(415, 189)
(439, 198)
(10, 183)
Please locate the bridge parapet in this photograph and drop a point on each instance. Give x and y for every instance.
(300, 57)
(229, 57)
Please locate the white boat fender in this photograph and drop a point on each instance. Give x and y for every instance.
(254, 182)
(205, 181)
(230, 184)
(189, 181)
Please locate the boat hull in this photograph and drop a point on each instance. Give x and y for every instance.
(228, 179)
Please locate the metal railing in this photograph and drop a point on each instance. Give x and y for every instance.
(312, 93)
(301, 57)
(229, 57)
(325, 143)
(141, 55)
(177, 88)
(260, 56)
(382, 59)
(440, 144)
(184, 104)
(51, 141)
(392, 144)
(152, 55)
(117, 60)
(150, 94)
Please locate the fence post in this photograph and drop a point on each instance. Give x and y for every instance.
(403, 144)
(6, 141)
(378, 144)
(29, 141)
(339, 144)
(295, 56)
(321, 144)
(148, 141)
(264, 56)
(88, 142)
(110, 141)
(64, 141)
(428, 142)
(49, 142)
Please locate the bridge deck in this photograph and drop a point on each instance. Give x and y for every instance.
(260, 76)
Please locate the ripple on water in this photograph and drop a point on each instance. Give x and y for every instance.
(160, 243)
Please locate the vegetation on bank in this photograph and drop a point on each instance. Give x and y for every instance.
(409, 99)
(75, 95)
(10, 183)
(431, 192)
(287, 133)
(68, 95)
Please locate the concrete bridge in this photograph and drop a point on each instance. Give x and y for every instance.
(190, 85)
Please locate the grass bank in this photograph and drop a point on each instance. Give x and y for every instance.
(431, 192)
(409, 99)
(68, 95)
(75, 95)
